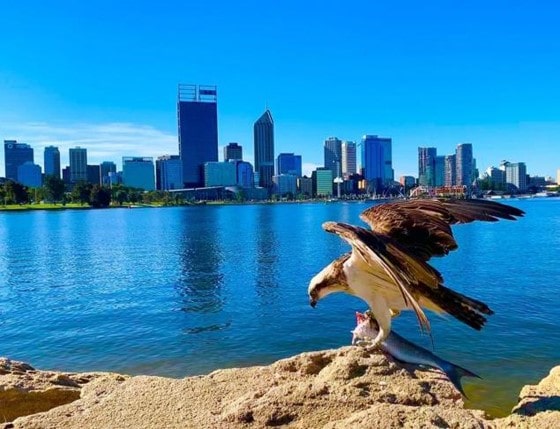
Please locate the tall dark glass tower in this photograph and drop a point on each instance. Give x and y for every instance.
(464, 164)
(197, 115)
(52, 161)
(377, 161)
(333, 155)
(16, 154)
(427, 166)
(263, 132)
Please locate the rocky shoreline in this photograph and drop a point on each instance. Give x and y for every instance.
(341, 388)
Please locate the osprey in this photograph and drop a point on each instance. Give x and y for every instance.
(388, 266)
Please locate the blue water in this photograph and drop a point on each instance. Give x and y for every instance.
(183, 291)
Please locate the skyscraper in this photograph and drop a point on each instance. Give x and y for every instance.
(348, 157)
(288, 163)
(464, 160)
(78, 164)
(263, 132)
(233, 151)
(439, 176)
(450, 170)
(52, 161)
(427, 166)
(377, 161)
(197, 115)
(332, 155)
(16, 154)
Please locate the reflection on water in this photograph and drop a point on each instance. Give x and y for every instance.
(266, 254)
(200, 282)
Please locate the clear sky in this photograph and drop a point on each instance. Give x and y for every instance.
(104, 75)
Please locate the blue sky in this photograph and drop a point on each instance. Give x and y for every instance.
(104, 75)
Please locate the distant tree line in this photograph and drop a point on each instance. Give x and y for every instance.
(54, 191)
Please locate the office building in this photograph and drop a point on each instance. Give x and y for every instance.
(464, 163)
(197, 113)
(449, 170)
(332, 151)
(245, 174)
(78, 164)
(496, 177)
(169, 172)
(348, 157)
(288, 163)
(138, 172)
(285, 184)
(263, 133)
(377, 162)
(16, 154)
(66, 175)
(558, 176)
(115, 178)
(29, 174)
(440, 170)
(322, 182)
(305, 185)
(94, 174)
(427, 166)
(220, 174)
(233, 151)
(407, 182)
(105, 168)
(52, 161)
(516, 176)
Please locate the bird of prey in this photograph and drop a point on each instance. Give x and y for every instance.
(388, 265)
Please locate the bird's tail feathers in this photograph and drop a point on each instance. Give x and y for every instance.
(468, 310)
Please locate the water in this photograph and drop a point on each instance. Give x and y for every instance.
(183, 291)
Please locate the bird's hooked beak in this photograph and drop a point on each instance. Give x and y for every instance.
(313, 298)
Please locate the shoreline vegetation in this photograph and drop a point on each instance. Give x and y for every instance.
(129, 205)
(56, 195)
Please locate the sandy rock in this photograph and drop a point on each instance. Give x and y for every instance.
(539, 405)
(24, 390)
(342, 388)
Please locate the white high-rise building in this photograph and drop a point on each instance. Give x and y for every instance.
(348, 155)
(516, 175)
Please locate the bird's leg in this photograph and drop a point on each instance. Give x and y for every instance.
(382, 314)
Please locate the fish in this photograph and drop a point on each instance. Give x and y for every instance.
(405, 351)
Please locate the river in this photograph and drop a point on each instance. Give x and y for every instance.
(186, 290)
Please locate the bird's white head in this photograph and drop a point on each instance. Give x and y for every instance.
(329, 280)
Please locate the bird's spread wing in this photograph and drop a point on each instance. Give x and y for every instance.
(405, 270)
(423, 227)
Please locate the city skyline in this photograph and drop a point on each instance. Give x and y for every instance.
(424, 75)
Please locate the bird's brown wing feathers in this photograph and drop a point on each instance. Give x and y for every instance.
(423, 227)
(404, 270)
